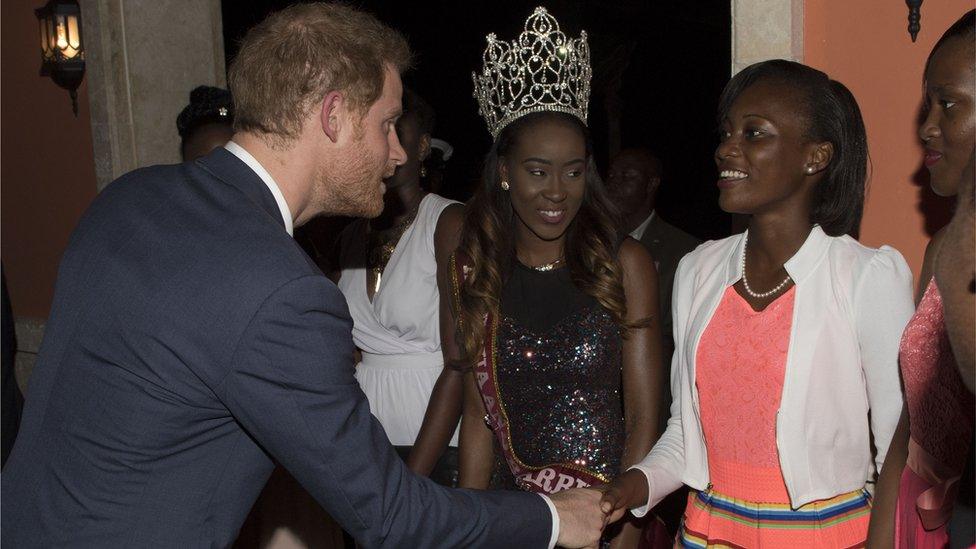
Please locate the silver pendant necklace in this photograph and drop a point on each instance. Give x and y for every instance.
(745, 281)
(547, 266)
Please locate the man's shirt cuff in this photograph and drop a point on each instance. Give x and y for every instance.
(555, 521)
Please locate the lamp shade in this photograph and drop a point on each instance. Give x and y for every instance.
(62, 45)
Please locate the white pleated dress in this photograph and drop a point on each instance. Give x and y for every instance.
(399, 331)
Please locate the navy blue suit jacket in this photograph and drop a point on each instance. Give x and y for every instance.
(191, 341)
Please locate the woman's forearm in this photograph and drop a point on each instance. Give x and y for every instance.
(440, 421)
(475, 450)
(640, 435)
(881, 532)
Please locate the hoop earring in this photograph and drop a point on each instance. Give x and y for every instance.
(505, 185)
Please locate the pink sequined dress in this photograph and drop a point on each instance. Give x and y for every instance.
(940, 412)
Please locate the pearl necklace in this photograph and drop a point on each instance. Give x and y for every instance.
(745, 282)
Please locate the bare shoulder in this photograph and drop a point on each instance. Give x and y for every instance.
(635, 260)
(932, 249)
(448, 231)
(928, 263)
(451, 219)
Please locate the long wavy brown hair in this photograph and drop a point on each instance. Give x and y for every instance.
(487, 244)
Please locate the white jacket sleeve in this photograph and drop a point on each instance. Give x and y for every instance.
(883, 305)
(664, 465)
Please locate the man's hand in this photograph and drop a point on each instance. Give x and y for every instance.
(580, 520)
(626, 491)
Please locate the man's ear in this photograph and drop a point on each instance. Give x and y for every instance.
(424, 146)
(654, 183)
(332, 106)
(819, 158)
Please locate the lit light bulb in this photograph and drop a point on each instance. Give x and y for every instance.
(62, 32)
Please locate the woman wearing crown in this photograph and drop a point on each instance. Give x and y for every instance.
(557, 336)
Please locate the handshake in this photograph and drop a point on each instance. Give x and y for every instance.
(585, 512)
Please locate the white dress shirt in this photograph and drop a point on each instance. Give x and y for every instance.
(851, 305)
(638, 233)
(252, 163)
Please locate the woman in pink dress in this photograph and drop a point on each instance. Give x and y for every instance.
(928, 452)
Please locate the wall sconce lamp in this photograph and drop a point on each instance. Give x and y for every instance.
(62, 49)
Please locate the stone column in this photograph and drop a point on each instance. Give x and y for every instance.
(143, 58)
(766, 29)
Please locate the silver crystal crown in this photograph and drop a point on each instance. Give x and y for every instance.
(542, 70)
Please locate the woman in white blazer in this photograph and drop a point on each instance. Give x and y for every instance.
(785, 375)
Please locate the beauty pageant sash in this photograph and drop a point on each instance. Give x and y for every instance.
(546, 479)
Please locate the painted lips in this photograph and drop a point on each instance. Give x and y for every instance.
(931, 157)
(730, 178)
(553, 217)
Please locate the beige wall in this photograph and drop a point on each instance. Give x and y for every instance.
(766, 29)
(144, 58)
(865, 45)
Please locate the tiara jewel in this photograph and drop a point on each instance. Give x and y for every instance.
(542, 70)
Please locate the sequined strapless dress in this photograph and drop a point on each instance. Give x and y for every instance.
(559, 376)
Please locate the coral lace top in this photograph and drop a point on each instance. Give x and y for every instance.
(741, 367)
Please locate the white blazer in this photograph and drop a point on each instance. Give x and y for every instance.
(851, 305)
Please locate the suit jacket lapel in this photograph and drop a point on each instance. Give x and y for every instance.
(224, 165)
(651, 236)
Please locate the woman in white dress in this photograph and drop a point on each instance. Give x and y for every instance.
(389, 276)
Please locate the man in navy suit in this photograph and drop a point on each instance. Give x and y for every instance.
(191, 341)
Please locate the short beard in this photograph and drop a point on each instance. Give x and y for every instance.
(349, 185)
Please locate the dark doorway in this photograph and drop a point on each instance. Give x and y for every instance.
(671, 59)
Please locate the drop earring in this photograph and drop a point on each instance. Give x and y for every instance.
(423, 171)
(505, 185)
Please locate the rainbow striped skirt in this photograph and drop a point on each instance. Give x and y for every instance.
(716, 520)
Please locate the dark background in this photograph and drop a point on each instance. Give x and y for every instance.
(672, 58)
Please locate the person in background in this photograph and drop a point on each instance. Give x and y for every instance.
(389, 276)
(786, 336)
(12, 401)
(919, 481)
(206, 123)
(634, 181)
(436, 165)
